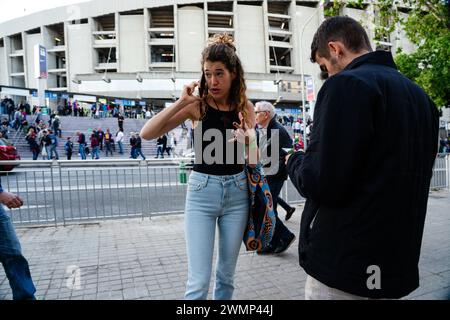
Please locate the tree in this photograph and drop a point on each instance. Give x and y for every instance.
(427, 26)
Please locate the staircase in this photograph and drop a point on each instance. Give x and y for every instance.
(70, 125)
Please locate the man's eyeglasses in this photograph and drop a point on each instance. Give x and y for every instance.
(256, 112)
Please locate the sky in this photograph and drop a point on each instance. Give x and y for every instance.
(12, 9)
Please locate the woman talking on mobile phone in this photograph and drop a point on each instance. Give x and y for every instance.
(217, 193)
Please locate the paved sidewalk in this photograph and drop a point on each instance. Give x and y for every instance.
(145, 259)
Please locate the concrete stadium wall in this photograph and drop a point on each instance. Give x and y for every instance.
(3, 66)
(80, 49)
(30, 41)
(132, 35)
(302, 15)
(251, 44)
(191, 37)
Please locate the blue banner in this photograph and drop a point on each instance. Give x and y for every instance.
(51, 95)
(42, 62)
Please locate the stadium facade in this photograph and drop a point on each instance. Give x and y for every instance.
(147, 50)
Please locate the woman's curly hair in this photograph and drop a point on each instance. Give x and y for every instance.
(220, 48)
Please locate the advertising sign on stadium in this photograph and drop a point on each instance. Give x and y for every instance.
(40, 62)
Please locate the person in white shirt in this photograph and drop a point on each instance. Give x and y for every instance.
(297, 127)
(171, 144)
(119, 140)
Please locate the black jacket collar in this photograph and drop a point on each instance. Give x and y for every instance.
(272, 123)
(375, 57)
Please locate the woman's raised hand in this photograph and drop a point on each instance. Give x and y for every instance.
(187, 96)
(242, 133)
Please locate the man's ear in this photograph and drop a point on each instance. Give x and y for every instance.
(336, 48)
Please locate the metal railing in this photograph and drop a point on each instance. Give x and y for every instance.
(60, 192)
(441, 172)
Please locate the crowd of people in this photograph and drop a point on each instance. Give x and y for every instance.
(99, 110)
(43, 137)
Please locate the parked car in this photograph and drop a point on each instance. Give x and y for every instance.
(7, 153)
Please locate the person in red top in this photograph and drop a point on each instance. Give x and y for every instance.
(94, 145)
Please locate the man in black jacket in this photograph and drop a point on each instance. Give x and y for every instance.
(273, 137)
(366, 173)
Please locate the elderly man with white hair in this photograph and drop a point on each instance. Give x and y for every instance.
(273, 137)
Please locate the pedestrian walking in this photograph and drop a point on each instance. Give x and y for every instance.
(119, 140)
(138, 146)
(108, 142)
(68, 147)
(273, 137)
(120, 120)
(81, 145)
(95, 145)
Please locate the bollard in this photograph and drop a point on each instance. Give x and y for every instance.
(183, 177)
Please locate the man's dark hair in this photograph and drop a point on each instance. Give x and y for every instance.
(344, 29)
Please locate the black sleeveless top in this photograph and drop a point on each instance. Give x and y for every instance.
(228, 159)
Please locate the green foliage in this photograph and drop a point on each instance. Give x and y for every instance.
(357, 4)
(385, 19)
(333, 9)
(427, 26)
(429, 67)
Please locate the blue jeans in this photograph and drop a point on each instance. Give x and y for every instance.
(120, 146)
(95, 152)
(211, 200)
(35, 154)
(137, 152)
(16, 266)
(108, 148)
(50, 150)
(159, 151)
(82, 151)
